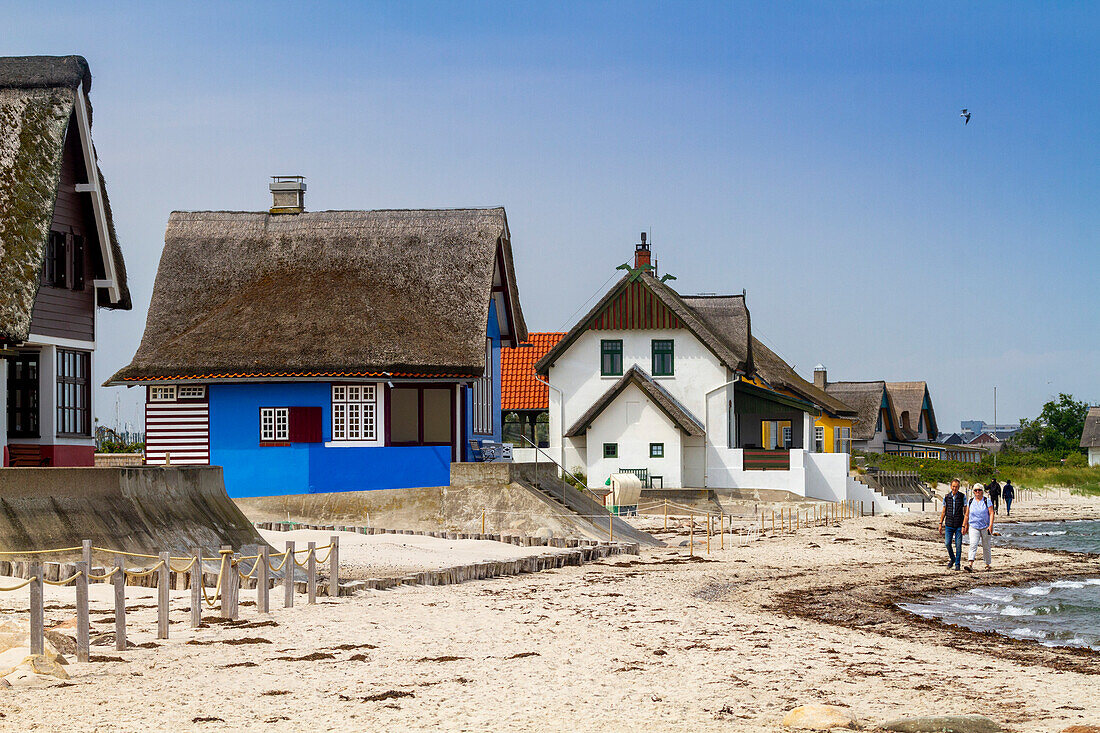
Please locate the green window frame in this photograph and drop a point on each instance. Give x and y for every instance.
(663, 361)
(611, 357)
(656, 450)
(610, 450)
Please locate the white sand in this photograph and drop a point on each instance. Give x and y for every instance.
(656, 642)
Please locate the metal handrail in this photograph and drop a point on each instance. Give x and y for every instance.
(563, 469)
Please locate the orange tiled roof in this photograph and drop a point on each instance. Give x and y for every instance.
(519, 390)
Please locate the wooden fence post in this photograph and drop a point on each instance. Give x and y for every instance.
(162, 596)
(86, 552)
(234, 585)
(691, 537)
(120, 603)
(82, 611)
(311, 573)
(666, 515)
(708, 533)
(288, 575)
(196, 589)
(223, 572)
(334, 568)
(38, 639)
(722, 531)
(262, 582)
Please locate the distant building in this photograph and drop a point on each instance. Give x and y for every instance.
(989, 441)
(1090, 436)
(973, 428)
(524, 397)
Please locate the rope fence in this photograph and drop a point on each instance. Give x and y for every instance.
(226, 584)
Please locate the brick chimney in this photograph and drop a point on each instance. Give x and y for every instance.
(288, 194)
(641, 253)
(821, 377)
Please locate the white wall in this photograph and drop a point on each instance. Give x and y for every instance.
(633, 422)
(857, 491)
(1094, 456)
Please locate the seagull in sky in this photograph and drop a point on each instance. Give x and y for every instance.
(966, 114)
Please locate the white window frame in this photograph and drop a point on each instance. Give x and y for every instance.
(162, 393)
(842, 440)
(482, 396)
(819, 439)
(191, 392)
(354, 412)
(274, 424)
(788, 436)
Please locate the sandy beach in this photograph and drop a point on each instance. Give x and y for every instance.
(726, 641)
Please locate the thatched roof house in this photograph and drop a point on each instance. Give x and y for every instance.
(43, 103)
(1090, 436)
(866, 398)
(246, 296)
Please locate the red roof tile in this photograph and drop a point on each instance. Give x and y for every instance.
(519, 389)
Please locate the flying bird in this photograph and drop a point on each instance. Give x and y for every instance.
(966, 114)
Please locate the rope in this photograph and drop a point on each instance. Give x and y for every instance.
(105, 576)
(251, 573)
(184, 569)
(144, 573)
(24, 584)
(326, 557)
(42, 552)
(274, 569)
(68, 580)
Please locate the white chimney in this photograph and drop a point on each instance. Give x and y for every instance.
(288, 194)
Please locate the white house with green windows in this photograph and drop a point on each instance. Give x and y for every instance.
(669, 387)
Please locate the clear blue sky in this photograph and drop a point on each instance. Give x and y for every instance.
(810, 153)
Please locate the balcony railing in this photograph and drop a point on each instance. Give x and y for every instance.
(758, 459)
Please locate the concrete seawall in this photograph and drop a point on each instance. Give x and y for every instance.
(146, 510)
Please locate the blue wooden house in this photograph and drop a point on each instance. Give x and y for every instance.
(309, 352)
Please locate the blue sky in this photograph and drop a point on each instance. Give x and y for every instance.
(811, 153)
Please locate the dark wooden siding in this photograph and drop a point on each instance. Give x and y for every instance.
(635, 307)
(61, 312)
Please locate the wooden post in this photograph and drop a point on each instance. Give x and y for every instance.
(482, 521)
(691, 536)
(311, 573)
(709, 517)
(38, 631)
(162, 596)
(722, 531)
(86, 553)
(223, 571)
(288, 575)
(234, 589)
(610, 526)
(120, 603)
(773, 521)
(196, 589)
(334, 567)
(82, 621)
(263, 582)
(666, 515)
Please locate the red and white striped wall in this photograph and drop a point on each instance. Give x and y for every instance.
(179, 428)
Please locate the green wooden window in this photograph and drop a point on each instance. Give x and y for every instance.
(656, 450)
(611, 357)
(610, 450)
(662, 358)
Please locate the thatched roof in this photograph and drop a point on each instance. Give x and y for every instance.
(1090, 436)
(863, 397)
(779, 373)
(721, 323)
(668, 404)
(909, 397)
(37, 97)
(242, 295)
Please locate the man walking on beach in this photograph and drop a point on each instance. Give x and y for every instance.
(978, 524)
(951, 523)
(1009, 493)
(994, 491)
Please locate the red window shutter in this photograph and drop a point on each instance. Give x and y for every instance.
(305, 424)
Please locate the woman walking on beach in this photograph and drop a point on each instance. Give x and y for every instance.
(978, 525)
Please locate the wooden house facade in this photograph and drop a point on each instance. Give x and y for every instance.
(314, 352)
(59, 260)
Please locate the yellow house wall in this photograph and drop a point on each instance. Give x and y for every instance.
(829, 423)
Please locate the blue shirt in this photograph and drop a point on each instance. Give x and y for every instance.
(979, 513)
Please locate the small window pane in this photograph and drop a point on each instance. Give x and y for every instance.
(404, 415)
(662, 357)
(656, 450)
(610, 450)
(437, 416)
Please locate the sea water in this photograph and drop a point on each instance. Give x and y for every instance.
(1057, 613)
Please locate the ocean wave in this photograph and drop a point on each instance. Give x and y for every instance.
(1011, 610)
(1047, 534)
(1068, 584)
(1038, 590)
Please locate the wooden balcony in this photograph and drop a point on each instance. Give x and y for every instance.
(758, 459)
